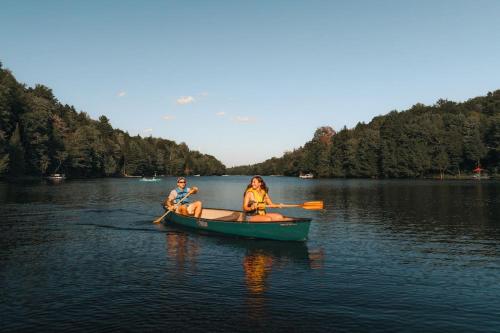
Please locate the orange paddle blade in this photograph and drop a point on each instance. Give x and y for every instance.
(313, 205)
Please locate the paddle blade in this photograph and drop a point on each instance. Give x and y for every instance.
(313, 205)
(158, 220)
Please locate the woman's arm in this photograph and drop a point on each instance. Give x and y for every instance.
(249, 203)
(267, 200)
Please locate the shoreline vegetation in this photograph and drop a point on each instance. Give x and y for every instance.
(447, 140)
(40, 136)
(30, 178)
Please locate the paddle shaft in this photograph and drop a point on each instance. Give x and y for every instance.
(158, 220)
(312, 205)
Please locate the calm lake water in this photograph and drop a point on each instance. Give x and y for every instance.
(385, 256)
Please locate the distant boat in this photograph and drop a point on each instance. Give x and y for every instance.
(56, 177)
(307, 176)
(154, 179)
(225, 175)
(198, 175)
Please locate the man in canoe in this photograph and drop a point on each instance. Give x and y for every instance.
(255, 200)
(177, 199)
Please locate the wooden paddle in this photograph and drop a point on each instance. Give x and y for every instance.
(310, 205)
(158, 220)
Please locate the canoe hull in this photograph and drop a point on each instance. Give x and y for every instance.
(295, 230)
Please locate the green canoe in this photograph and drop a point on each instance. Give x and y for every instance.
(232, 222)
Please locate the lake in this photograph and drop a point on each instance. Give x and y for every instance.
(385, 256)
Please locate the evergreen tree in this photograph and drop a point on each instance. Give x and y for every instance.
(16, 154)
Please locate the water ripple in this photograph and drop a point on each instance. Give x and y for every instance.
(385, 256)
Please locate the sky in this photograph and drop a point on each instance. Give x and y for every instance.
(245, 81)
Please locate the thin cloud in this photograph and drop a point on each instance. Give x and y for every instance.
(147, 131)
(168, 118)
(243, 119)
(121, 93)
(204, 94)
(220, 114)
(184, 100)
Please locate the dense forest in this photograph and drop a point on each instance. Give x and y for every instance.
(447, 139)
(40, 136)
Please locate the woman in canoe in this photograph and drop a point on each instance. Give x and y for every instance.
(255, 200)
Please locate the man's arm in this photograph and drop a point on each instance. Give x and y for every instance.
(169, 202)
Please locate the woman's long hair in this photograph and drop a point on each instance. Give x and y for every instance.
(262, 184)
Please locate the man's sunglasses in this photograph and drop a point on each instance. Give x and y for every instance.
(182, 182)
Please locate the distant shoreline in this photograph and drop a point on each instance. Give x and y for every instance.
(437, 177)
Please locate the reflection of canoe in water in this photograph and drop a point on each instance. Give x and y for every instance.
(232, 222)
(280, 252)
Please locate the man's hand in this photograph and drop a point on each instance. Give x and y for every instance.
(193, 190)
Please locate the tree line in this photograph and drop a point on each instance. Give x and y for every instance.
(447, 139)
(40, 136)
